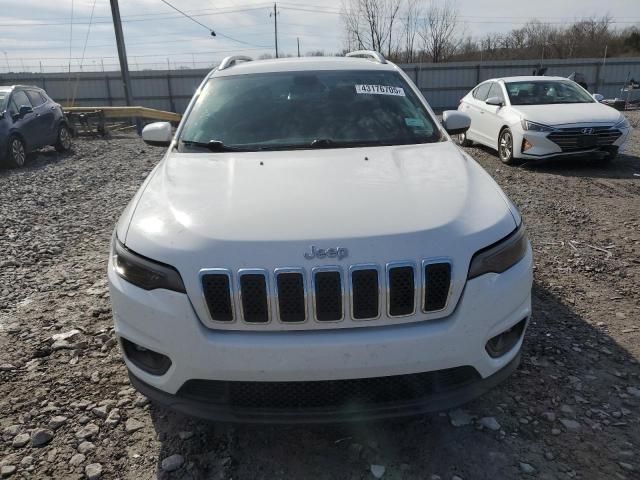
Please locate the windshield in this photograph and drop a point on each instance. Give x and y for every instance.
(544, 92)
(287, 110)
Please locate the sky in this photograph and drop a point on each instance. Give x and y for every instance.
(48, 35)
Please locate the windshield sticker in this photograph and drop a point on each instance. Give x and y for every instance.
(380, 90)
(414, 122)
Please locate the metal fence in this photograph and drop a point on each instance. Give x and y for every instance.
(442, 84)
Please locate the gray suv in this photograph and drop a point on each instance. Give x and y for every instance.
(29, 120)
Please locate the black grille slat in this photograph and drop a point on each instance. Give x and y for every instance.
(255, 306)
(291, 301)
(437, 282)
(401, 291)
(217, 293)
(365, 294)
(328, 393)
(328, 296)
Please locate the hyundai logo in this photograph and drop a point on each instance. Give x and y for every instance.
(587, 131)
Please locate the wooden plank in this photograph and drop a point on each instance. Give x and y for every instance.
(128, 112)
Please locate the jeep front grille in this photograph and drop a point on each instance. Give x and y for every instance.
(326, 294)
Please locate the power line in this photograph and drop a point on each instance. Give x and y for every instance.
(213, 34)
(132, 20)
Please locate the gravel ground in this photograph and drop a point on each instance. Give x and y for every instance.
(572, 410)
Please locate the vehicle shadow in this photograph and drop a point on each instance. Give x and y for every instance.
(570, 369)
(38, 160)
(624, 166)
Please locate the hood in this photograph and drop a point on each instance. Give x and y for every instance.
(569, 114)
(313, 195)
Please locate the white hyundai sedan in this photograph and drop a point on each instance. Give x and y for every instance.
(541, 117)
(314, 247)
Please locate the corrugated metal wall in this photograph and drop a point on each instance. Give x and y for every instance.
(442, 84)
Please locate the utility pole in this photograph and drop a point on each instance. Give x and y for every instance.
(298, 39)
(275, 25)
(122, 56)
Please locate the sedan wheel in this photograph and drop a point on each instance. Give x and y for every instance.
(17, 152)
(462, 140)
(505, 146)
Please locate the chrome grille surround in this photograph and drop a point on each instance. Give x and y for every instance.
(311, 320)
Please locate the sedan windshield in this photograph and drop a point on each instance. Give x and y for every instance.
(319, 109)
(544, 92)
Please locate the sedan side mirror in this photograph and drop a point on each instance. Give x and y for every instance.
(495, 101)
(598, 97)
(158, 134)
(24, 110)
(455, 122)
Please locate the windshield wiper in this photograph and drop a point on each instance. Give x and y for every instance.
(328, 143)
(213, 145)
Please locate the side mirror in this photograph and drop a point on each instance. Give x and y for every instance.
(455, 122)
(24, 110)
(598, 97)
(158, 134)
(495, 101)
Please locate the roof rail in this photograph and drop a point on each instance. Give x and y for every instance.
(371, 54)
(231, 61)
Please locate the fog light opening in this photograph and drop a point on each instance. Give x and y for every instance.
(151, 362)
(505, 341)
(526, 145)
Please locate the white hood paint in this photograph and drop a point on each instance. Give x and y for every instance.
(265, 209)
(569, 114)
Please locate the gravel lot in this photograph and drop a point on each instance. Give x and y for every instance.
(572, 410)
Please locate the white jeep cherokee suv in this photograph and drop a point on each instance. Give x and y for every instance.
(314, 247)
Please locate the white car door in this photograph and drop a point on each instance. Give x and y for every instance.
(472, 106)
(491, 121)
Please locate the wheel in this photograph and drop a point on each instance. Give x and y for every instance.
(63, 143)
(462, 140)
(505, 147)
(17, 152)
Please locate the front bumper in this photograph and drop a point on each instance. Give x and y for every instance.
(543, 148)
(229, 413)
(165, 322)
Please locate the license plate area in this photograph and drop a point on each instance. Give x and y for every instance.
(587, 141)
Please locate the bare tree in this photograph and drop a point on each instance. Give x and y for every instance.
(410, 25)
(369, 24)
(439, 31)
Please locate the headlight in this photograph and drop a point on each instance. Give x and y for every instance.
(535, 127)
(500, 256)
(144, 273)
(622, 123)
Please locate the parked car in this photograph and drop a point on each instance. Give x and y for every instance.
(541, 117)
(29, 120)
(314, 247)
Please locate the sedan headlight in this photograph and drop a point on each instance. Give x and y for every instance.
(623, 122)
(500, 256)
(145, 273)
(535, 127)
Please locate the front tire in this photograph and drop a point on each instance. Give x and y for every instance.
(462, 140)
(63, 142)
(505, 147)
(16, 152)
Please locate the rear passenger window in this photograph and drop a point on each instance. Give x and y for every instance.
(481, 91)
(35, 98)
